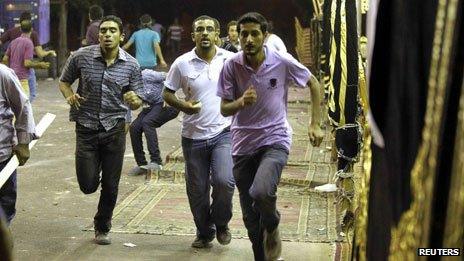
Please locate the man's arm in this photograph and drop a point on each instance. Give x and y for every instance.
(41, 53)
(6, 60)
(24, 124)
(159, 54)
(230, 107)
(314, 88)
(35, 64)
(315, 133)
(189, 107)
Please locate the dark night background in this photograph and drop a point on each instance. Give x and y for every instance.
(280, 12)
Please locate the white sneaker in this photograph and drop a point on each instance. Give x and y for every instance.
(329, 187)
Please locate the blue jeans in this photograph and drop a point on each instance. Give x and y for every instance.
(209, 163)
(32, 85)
(8, 195)
(257, 176)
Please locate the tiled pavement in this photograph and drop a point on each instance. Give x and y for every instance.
(160, 206)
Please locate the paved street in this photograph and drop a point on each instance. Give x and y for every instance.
(54, 217)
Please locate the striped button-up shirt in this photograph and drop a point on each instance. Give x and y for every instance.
(102, 87)
(13, 104)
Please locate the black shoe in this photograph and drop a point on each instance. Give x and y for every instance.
(200, 242)
(102, 238)
(223, 236)
(272, 245)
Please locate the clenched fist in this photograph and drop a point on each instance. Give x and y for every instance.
(315, 135)
(132, 99)
(249, 96)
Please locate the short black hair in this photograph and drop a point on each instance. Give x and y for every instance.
(253, 17)
(205, 17)
(145, 20)
(231, 23)
(112, 18)
(25, 16)
(95, 12)
(26, 26)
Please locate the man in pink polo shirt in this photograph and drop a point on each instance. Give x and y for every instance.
(19, 56)
(253, 86)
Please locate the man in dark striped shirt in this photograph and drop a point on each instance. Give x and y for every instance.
(109, 81)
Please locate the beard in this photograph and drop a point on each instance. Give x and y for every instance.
(253, 50)
(206, 45)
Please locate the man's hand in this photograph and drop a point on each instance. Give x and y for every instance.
(44, 65)
(315, 134)
(249, 97)
(192, 107)
(22, 152)
(132, 99)
(75, 100)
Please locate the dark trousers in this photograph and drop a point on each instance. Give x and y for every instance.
(257, 176)
(147, 121)
(8, 195)
(209, 163)
(100, 151)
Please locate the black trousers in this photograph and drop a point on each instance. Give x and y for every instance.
(100, 151)
(147, 121)
(8, 194)
(257, 176)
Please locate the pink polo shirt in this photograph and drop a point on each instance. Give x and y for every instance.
(19, 50)
(265, 122)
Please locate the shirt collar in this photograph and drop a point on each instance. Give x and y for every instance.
(194, 56)
(267, 58)
(122, 55)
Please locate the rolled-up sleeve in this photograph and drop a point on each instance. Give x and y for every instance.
(297, 72)
(136, 83)
(70, 70)
(174, 78)
(21, 107)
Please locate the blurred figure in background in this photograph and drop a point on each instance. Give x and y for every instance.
(95, 16)
(153, 115)
(174, 37)
(19, 56)
(14, 33)
(147, 45)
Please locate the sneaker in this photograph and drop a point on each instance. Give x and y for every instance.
(154, 166)
(137, 171)
(223, 236)
(102, 238)
(200, 242)
(272, 245)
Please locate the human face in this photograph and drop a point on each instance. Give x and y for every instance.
(233, 34)
(251, 38)
(204, 34)
(110, 36)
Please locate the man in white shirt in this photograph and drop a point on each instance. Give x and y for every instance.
(206, 141)
(17, 129)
